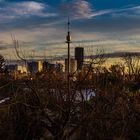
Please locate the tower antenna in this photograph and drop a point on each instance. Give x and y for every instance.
(68, 41)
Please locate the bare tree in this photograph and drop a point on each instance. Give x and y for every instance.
(18, 51)
(132, 63)
(2, 64)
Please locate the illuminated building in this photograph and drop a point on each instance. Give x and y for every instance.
(21, 69)
(40, 66)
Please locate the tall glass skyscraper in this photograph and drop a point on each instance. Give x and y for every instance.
(79, 56)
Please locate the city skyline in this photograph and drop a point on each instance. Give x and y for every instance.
(41, 26)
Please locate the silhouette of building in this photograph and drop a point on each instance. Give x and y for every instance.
(33, 67)
(58, 67)
(12, 67)
(79, 56)
(45, 66)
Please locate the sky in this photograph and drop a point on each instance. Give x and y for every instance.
(40, 26)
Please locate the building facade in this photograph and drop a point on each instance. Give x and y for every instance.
(79, 56)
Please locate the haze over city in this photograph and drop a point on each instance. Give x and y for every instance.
(41, 26)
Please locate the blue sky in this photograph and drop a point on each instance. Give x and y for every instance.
(40, 26)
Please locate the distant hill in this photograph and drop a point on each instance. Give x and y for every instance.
(115, 54)
(56, 58)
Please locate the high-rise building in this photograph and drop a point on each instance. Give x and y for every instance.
(40, 66)
(79, 56)
(45, 66)
(33, 67)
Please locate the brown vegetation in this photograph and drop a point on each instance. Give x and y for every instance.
(41, 109)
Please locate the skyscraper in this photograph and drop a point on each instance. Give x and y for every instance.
(79, 56)
(33, 67)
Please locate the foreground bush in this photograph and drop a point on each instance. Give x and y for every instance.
(42, 109)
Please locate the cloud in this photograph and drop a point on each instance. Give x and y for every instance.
(26, 8)
(15, 10)
(133, 11)
(76, 9)
(100, 13)
(4, 45)
(82, 9)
